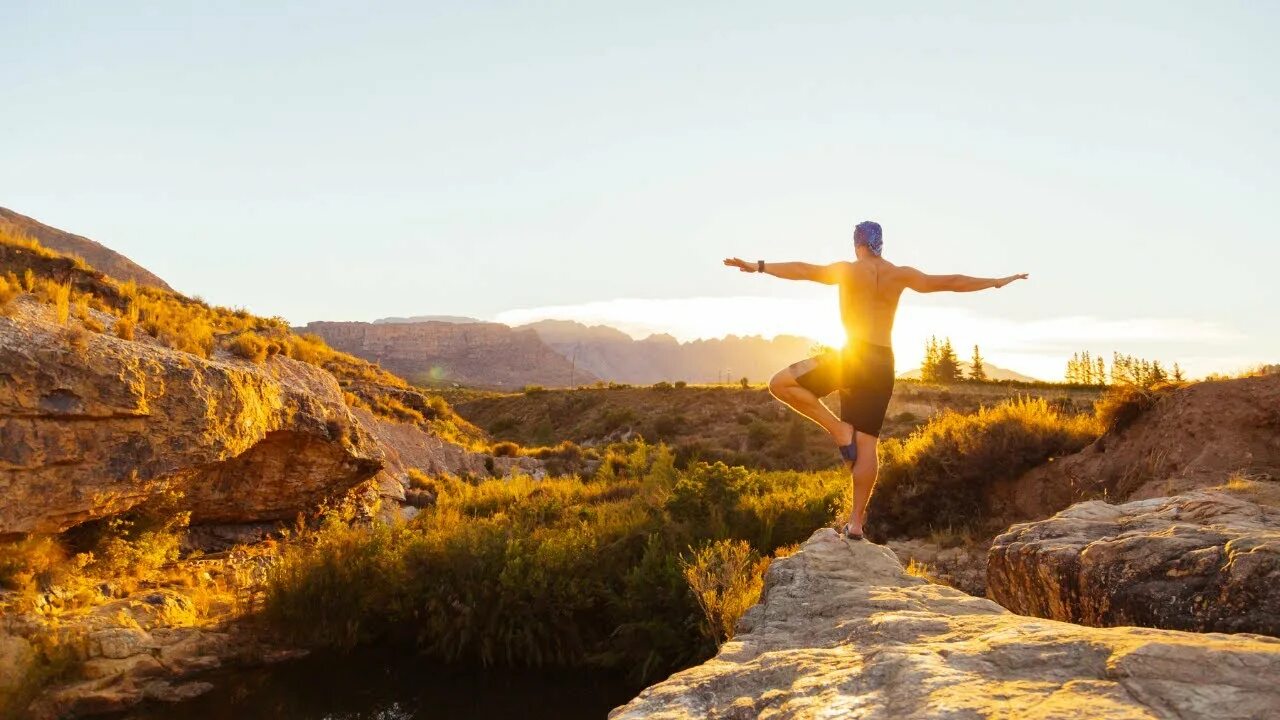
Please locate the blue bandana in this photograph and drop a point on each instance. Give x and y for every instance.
(868, 235)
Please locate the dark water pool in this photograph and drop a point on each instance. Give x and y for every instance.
(382, 686)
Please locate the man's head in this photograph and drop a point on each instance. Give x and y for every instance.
(867, 238)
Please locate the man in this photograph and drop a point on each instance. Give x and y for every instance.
(863, 371)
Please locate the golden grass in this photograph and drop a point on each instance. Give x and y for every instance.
(726, 577)
(938, 476)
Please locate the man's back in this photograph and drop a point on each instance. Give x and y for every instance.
(869, 292)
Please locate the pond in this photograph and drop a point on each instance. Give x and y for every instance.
(370, 685)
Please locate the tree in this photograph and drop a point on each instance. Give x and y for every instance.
(929, 367)
(977, 371)
(1100, 373)
(948, 363)
(1177, 373)
(744, 382)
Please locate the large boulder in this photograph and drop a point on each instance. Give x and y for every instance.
(92, 425)
(843, 631)
(1203, 561)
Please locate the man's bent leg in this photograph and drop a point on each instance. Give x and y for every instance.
(864, 473)
(784, 386)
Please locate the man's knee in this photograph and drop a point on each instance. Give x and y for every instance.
(781, 382)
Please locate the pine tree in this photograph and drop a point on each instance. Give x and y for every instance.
(1177, 373)
(1073, 368)
(929, 368)
(948, 363)
(977, 371)
(1100, 373)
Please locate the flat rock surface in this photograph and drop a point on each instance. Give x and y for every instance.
(843, 631)
(1203, 561)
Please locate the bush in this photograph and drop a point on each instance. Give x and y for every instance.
(506, 449)
(680, 384)
(726, 577)
(534, 390)
(563, 571)
(1122, 404)
(9, 289)
(938, 477)
(392, 408)
(249, 346)
(663, 385)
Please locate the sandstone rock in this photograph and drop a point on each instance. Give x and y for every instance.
(842, 631)
(16, 658)
(1203, 561)
(118, 643)
(165, 691)
(92, 431)
(963, 568)
(477, 354)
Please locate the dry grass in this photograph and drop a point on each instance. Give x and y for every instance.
(1121, 405)
(726, 577)
(10, 289)
(938, 477)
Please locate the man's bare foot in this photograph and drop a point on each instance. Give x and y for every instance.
(852, 530)
(843, 435)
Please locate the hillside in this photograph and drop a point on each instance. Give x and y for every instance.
(725, 422)
(613, 355)
(99, 256)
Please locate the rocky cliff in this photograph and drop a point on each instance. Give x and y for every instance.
(99, 256)
(474, 354)
(1203, 561)
(843, 631)
(93, 427)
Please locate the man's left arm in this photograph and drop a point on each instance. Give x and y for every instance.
(825, 274)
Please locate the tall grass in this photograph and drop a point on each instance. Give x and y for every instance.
(938, 476)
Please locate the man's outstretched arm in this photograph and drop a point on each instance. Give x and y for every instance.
(920, 282)
(826, 274)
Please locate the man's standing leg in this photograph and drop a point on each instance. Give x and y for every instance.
(864, 473)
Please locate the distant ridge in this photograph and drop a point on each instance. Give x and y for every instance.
(614, 355)
(455, 319)
(102, 258)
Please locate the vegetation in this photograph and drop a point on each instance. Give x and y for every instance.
(940, 363)
(560, 571)
(939, 475)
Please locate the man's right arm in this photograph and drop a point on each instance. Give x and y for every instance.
(920, 282)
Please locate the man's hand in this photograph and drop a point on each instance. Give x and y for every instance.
(1006, 280)
(742, 265)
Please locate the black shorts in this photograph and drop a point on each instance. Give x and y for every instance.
(862, 372)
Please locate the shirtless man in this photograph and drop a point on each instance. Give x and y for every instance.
(863, 371)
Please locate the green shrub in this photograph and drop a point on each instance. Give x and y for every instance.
(555, 571)
(938, 477)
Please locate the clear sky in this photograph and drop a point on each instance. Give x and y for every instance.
(323, 160)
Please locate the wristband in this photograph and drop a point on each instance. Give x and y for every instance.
(759, 266)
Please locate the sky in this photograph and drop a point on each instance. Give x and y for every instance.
(598, 160)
